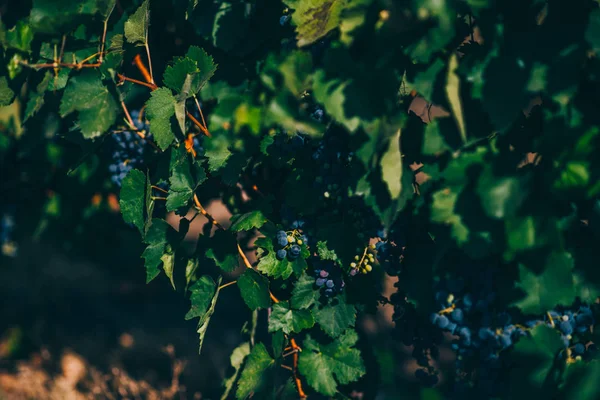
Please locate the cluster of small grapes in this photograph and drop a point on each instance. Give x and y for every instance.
(572, 324)
(328, 275)
(7, 225)
(363, 263)
(290, 244)
(129, 147)
(482, 333)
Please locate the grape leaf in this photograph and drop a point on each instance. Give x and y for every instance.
(325, 253)
(6, 93)
(36, 99)
(18, 37)
(288, 320)
(201, 294)
(237, 358)
(132, 197)
(217, 152)
(315, 18)
(157, 238)
(253, 375)
(159, 110)
(168, 260)
(335, 318)
(581, 381)
(183, 180)
(553, 286)
(136, 27)
(96, 106)
(453, 94)
(271, 266)
(206, 67)
(391, 166)
(533, 358)
(205, 293)
(248, 221)
(175, 75)
(324, 366)
(304, 294)
(254, 289)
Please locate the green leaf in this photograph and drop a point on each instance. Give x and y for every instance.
(205, 64)
(183, 182)
(168, 260)
(552, 287)
(269, 265)
(217, 152)
(254, 289)
(304, 294)
(533, 359)
(253, 376)
(334, 319)
(442, 211)
(159, 110)
(223, 250)
(581, 381)
(391, 166)
(136, 27)
(96, 106)
(325, 253)
(324, 366)
(453, 94)
(202, 293)
(500, 196)
(248, 221)
(237, 358)
(19, 37)
(6, 93)
(175, 75)
(157, 238)
(132, 198)
(287, 320)
(36, 99)
(315, 18)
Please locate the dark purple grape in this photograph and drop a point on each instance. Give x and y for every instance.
(281, 253)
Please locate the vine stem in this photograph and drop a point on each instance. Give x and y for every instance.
(227, 284)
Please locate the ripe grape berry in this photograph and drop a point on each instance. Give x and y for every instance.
(329, 277)
(290, 244)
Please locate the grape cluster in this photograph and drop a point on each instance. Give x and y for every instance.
(7, 224)
(481, 332)
(329, 277)
(363, 263)
(290, 244)
(129, 147)
(572, 324)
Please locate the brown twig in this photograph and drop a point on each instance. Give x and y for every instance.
(297, 349)
(151, 86)
(198, 124)
(137, 60)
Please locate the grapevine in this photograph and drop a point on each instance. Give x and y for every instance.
(410, 191)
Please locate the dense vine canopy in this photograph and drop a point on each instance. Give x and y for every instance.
(301, 117)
